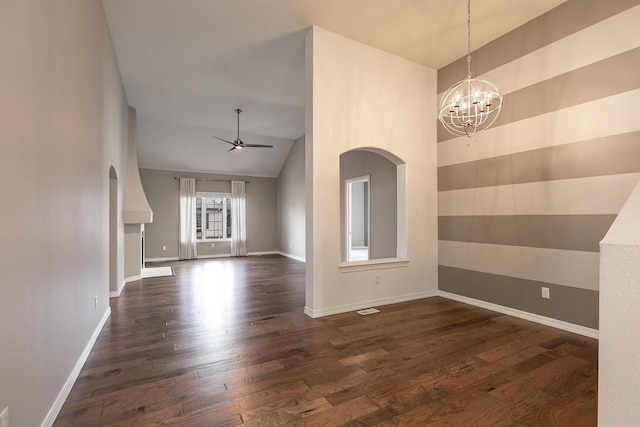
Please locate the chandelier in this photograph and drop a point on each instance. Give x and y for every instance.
(471, 105)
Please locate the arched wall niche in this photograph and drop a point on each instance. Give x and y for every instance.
(113, 230)
(386, 220)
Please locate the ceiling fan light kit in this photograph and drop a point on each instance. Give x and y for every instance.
(471, 105)
(238, 144)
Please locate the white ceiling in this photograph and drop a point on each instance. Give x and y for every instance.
(187, 64)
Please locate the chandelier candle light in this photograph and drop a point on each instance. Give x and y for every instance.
(471, 105)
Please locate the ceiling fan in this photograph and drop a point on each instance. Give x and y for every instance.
(238, 144)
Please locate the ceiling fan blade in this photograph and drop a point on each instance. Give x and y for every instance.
(258, 145)
(238, 144)
(228, 142)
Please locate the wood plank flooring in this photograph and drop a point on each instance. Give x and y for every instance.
(225, 342)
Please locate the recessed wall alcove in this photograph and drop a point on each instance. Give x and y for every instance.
(383, 225)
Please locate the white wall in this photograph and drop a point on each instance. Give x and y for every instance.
(291, 203)
(63, 124)
(619, 354)
(135, 209)
(358, 97)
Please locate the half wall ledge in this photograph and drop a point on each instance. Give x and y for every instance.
(373, 264)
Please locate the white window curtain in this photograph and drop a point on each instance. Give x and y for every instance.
(188, 248)
(238, 219)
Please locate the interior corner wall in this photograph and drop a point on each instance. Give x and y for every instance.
(64, 124)
(358, 96)
(524, 205)
(619, 347)
(162, 192)
(291, 202)
(115, 131)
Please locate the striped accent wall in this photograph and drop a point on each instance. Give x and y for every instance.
(525, 204)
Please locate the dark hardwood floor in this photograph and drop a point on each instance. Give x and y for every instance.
(225, 342)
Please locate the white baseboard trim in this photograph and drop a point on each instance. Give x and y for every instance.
(297, 258)
(214, 256)
(133, 278)
(229, 255)
(116, 293)
(366, 304)
(75, 372)
(170, 258)
(211, 256)
(548, 321)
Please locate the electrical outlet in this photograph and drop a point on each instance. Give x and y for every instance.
(164, 248)
(213, 245)
(545, 293)
(377, 279)
(95, 301)
(4, 417)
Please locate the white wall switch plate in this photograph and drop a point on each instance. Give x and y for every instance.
(545, 293)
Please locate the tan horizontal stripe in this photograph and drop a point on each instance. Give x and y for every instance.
(573, 305)
(595, 119)
(591, 195)
(572, 232)
(577, 269)
(609, 155)
(566, 19)
(608, 77)
(600, 41)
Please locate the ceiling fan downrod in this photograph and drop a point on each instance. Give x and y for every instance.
(238, 144)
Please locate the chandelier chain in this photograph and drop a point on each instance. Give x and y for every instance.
(468, 39)
(471, 105)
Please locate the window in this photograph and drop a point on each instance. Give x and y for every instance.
(213, 216)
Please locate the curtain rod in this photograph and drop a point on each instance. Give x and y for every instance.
(207, 179)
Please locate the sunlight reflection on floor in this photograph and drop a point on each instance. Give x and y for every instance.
(217, 291)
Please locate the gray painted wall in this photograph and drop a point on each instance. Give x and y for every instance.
(64, 124)
(359, 213)
(291, 202)
(383, 193)
(525, 204)
(162, 193)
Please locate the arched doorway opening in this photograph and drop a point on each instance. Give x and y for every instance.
(113, 231)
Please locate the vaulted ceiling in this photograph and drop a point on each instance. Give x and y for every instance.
(187, 64)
